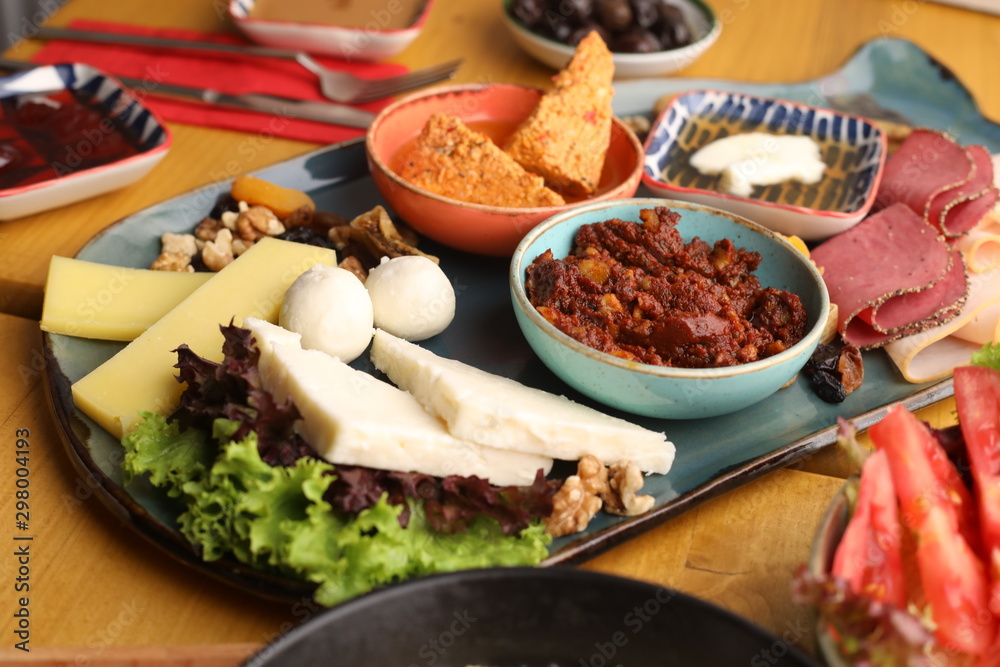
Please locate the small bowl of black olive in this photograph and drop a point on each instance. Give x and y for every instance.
(647, 37)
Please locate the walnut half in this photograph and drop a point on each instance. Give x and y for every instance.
(578, 500)
(622, 498)
(595, 486)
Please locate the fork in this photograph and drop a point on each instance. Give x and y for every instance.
(348, 88)
(338, 86)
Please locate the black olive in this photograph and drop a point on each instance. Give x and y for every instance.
(528, 12)
(556, 27)
(646, 12)
(615, 15)
(636, 41)
(672, 28)
(577, 11)
(586, 29)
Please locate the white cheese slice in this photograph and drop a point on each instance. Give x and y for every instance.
(497, 411)
(353, 418)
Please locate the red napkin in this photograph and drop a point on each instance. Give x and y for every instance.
(228, 73)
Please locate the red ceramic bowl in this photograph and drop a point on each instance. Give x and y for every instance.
(495, 109)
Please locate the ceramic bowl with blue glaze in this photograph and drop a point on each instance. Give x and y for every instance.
(65, 181)
(659, 391)
(853, 149)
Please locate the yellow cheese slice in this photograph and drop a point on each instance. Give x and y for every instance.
(141, 376)
(93, 300)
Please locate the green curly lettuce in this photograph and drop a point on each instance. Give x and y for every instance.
(275, 517)
(988, 355)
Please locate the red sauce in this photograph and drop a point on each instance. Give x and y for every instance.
(47, 136)
(638, 292)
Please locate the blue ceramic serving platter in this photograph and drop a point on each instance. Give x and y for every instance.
(713, 455)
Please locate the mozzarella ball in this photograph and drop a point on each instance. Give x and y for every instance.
(330, 308)
(411, 296)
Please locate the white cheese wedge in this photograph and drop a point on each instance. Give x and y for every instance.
(500, 412)
(353, 418)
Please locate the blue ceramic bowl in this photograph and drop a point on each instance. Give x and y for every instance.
(853, 148)
(657, 391)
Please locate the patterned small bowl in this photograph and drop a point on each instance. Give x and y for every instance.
(853, 148)
(148, 135)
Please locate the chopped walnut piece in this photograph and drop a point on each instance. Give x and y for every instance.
(176, 251)
(257, 222)
(624, 481)
(228, 219)
(572, 508)
(172, 261)
(240, 246)
(218, 254)
(579, 498)
(178, 244)
(593, 473)
(207, 229)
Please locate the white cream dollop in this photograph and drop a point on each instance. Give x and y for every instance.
(330, 308)
(411, 296)
(759, 158)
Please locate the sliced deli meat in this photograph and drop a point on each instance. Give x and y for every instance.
(950, 186)
(891, 275)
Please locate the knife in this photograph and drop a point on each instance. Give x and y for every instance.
(325, 112)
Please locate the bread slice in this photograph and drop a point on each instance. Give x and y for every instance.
(454, 161)
(566, 138)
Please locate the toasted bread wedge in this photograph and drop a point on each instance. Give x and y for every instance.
(566, 138)
(454, 161)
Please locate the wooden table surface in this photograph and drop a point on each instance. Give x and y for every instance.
(99, 593)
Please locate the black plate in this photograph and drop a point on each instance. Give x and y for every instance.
(507, 617)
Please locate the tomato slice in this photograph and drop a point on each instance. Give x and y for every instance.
(951, 573)
(869, 555)
(977, 395)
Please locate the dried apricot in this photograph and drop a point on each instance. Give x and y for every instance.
(258, 192)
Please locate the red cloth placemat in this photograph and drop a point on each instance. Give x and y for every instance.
(228, 73)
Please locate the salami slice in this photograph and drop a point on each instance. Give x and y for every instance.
(950, 186)
(891, 275)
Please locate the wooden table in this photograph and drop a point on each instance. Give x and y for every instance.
(98, 591)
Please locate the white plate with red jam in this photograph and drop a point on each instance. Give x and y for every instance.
(70, 132)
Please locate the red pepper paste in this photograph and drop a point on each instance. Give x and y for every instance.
(638, 292)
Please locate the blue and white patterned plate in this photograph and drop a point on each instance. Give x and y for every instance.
(853, 149)
(152, 138)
